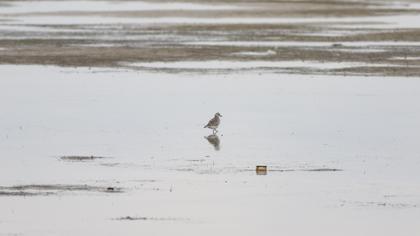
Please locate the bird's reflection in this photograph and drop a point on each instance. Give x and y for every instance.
(214, 140)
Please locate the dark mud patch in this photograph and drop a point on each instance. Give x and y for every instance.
(379, 204)
(23, 194)
(143, 218)
(378, 71)
(81, 158)
(45, 190)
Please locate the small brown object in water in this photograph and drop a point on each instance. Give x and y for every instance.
(261, 170)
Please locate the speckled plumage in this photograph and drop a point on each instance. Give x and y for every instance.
(214, 122)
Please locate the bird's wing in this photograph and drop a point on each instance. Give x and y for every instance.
(211, 123)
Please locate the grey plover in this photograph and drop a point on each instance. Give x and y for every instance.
(214, 123)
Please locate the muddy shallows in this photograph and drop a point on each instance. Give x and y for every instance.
(43, 190)
(81, 158)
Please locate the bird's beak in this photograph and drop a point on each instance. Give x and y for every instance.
(220, 115)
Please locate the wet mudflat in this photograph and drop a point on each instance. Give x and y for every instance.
(103, 105)
(117, 33)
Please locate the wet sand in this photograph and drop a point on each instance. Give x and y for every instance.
(110, 34)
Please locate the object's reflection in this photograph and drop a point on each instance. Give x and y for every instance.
(214, 140)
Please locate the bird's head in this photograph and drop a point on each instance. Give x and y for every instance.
(218, 114)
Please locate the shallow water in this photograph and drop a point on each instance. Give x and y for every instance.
(149, 126)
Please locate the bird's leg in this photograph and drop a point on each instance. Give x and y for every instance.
(214, 131)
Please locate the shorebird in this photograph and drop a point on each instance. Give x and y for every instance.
(214, 123)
